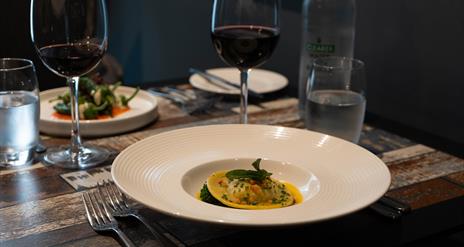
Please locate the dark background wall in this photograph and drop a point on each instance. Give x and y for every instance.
(16, 39)
(412, 51)
(160, 40)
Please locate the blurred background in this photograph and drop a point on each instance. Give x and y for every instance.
(412, 49)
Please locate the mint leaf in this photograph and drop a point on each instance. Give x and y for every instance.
(238, 174)
(258, 175)
(256, 164)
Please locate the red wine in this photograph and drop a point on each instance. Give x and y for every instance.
(71, 59)
(245, 46)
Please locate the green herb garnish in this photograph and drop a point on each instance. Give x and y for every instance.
(258, 174)
(94, 99)
(206, 196)
(125, 101)
(62, 108)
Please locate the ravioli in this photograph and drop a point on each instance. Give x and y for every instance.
(247, 193)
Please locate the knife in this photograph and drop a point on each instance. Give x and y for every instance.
(395, 204)
(390, 207)
(221, 82)
(385, 211)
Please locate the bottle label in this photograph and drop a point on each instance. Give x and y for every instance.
(319, 48)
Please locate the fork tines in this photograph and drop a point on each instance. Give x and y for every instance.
(97, 212)
(100, 219)
(117, 200)
(119, 207)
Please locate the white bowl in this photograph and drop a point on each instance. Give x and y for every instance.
(335, 177)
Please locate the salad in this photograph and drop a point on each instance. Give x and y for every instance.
(96, 101)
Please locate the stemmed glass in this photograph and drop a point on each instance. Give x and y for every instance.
(70, 37)
(244, 34)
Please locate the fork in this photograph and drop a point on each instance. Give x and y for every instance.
(117, 203)
(99, 217)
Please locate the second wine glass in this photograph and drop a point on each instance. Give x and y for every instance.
(70, 37)
(245, 34)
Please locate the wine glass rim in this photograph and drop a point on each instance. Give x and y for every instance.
(356, 64)
(26, 64)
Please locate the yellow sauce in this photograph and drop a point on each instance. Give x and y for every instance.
(218, 193)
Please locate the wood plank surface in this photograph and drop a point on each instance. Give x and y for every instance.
(424, 167)
(41, 216)
(430, 192)
(31, 185)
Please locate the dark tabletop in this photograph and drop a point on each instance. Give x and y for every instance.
(38, 207)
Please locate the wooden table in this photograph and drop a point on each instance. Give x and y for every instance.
(39, 208)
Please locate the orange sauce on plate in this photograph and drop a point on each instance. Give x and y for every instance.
(116, 111)
(61, 116)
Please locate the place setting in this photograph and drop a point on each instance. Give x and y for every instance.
(221, 156)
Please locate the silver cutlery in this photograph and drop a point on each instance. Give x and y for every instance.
(176, 99)
(99, 217)
(184, 94)
(119, 207)
(221, 82)
(187, 101)
(395, 204)
(390, 207)
(385, 211)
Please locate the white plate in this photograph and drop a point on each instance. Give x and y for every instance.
(143, 110)
(335, 177)
(259, 80)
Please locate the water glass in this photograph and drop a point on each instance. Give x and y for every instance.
(336, 100)
(19, 111)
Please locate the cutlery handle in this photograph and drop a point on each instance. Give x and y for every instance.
(393, 203)
(166, 95)
(127, 242)
(385, 211)
(212, 77)
(166, 238)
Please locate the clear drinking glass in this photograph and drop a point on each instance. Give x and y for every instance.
(70, 37)
(19, 112)
(336, 100)
(245, 34)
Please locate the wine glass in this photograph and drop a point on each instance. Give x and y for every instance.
(70, 37)
(244, 34)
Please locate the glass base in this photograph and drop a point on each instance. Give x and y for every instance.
(89, 156)
(13, 159)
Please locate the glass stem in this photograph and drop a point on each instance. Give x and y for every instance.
(75, 133)
(244, 96)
